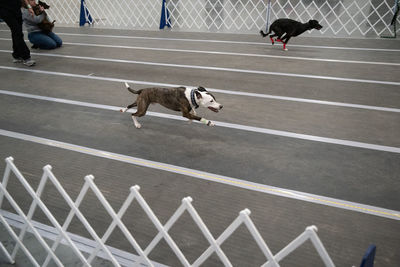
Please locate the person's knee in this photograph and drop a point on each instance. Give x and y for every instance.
(51, 45)
(48, 45)
(56, 39)
(54, 44)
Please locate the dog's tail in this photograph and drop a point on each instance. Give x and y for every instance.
(263, 34)
(133, 91)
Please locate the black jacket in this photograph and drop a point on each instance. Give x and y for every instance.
(13, 5)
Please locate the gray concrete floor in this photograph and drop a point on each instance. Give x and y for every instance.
(354, 174)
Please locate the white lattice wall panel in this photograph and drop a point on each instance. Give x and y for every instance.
(339, 17)
(64, 12)
(124, 14)
(119, 14)
(11, 172)
(217, 15)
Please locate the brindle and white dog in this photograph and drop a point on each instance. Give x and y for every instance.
(182, 99)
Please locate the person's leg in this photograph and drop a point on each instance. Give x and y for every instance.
(56, 38)
(21, 49)
(41, 40)
(14, 22)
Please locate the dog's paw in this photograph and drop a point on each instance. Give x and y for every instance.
(137, 124)
(207, 122)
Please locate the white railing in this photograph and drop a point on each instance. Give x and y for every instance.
(339, 17)
(351, 17)
(121, 14)
(65, 12)
(344, 17)
(218, 15)
(143, 253)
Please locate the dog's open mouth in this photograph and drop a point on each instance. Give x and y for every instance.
(213, 109)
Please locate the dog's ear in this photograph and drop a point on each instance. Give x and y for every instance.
(198, 94)
(43, 4)
(201, 89)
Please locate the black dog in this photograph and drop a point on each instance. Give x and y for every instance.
(284, 29)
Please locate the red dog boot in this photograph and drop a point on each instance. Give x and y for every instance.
(272, 40)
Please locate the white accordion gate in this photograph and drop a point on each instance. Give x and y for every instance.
(339, 17)
(107, 252)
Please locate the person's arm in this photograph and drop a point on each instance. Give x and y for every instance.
(32, 20)
(29, 8)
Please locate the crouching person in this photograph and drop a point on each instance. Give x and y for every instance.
(39, 27)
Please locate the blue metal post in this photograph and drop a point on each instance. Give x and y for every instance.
(268, 13)
(369, 257)
(85, 16)
(165, 18)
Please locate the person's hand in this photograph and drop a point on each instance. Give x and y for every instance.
(31, 12)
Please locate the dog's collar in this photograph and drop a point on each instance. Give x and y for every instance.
(193, 99)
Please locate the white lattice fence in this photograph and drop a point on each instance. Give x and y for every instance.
(125, 14)
(218, 15)
(100, 247)
(121, 14)
(339, 17)
(64, 12)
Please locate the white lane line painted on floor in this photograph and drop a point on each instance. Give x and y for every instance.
(259, 72)
(391, 214)
(236, 54)
(228, 53)
(284, 98)
(228, 42)
(265, 43)
(222, 124)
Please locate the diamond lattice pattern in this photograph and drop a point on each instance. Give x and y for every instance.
(339, 17)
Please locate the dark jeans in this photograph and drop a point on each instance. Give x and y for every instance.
(13, 19)
(45, 41)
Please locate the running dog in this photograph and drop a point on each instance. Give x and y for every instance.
(178, 98)
(284, 29)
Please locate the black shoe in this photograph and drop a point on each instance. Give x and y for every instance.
(34, 46)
